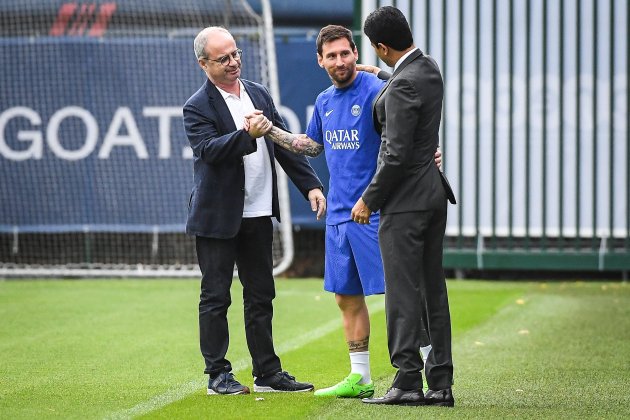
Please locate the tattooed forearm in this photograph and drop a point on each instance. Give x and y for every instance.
(301, 144)
(359, 345)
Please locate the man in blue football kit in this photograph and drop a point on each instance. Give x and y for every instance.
(342, 125)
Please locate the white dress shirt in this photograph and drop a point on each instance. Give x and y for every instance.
(258, 175)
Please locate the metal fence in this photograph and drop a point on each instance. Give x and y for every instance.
(535, 128)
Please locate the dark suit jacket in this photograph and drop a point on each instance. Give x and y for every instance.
(407, 113)
(216, 203)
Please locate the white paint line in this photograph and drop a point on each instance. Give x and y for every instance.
(184, 390)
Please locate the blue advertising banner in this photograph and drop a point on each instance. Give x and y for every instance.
(91, 134)
(301, 80)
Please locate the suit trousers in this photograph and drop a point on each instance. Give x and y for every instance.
(411, 248)
(251, 250)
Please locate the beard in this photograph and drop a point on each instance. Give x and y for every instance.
(343, 78)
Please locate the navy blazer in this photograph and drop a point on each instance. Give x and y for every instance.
(215, 208)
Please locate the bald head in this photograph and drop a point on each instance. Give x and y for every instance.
(213, 33)
(219, 57)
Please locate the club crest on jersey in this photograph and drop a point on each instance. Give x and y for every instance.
(356, 110)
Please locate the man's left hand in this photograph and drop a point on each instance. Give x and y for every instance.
(438, 158)
(368, 68)
(361, 213)
(318, 202)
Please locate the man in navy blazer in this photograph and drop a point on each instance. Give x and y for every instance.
(234, 196)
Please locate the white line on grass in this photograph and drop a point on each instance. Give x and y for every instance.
(184, 390)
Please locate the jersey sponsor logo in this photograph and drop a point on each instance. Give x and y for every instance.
(356, 110)
(327, 113)
(342, 139)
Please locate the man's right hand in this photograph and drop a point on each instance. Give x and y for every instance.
(259, 125)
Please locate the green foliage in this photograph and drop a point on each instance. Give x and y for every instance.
(126, 348)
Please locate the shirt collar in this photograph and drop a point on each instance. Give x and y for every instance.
(227, 94)
(407, 54)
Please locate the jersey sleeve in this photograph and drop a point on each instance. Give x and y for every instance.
(314, 129)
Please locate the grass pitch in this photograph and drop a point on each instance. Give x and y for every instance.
(129, 348)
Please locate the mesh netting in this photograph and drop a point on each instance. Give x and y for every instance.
(95, 168)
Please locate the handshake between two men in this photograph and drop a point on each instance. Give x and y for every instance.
(256, 124)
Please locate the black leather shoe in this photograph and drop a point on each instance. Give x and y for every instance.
(443, 397)
(397, 396)
(281, 382)
(226, 384)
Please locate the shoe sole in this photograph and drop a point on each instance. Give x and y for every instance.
(258, 388)
(408, 404)
(362, 394)
(243, 392)
(443, 404)
(365, 394)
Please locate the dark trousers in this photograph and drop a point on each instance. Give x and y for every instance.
(411, 248)
(251, 250)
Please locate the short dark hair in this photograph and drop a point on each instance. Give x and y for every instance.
(388, 26)
(332, 33)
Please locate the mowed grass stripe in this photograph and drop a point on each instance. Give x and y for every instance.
(239, 366)
(87, 349)
(325, 361)
(74, 349)
(559, 351)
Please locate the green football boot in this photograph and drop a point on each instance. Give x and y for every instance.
(348, 388)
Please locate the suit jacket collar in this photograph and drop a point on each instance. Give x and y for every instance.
(417, 53)
(217, 101)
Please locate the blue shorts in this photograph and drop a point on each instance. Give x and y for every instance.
(353, 264)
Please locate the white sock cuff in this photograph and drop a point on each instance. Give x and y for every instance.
(425, 352)
(360, 363)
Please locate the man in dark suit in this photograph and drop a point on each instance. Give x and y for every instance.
(234, 196)
(411, 194)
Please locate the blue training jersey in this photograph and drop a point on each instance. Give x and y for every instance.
(342, 121)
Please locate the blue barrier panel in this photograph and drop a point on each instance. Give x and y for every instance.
(89, 138)
(301, 80)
